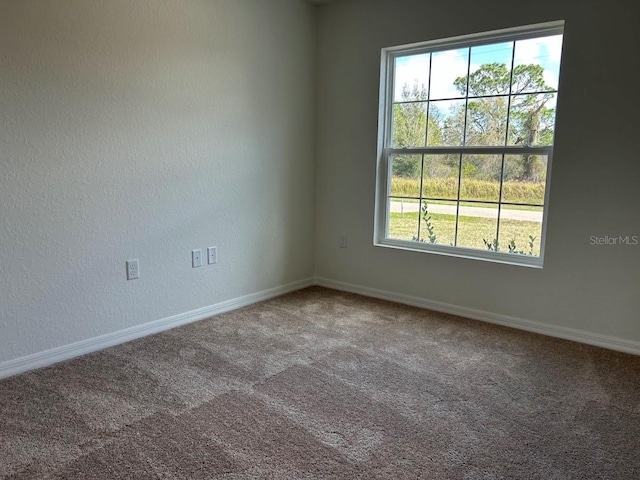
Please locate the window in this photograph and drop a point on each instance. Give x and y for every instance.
(466, 144)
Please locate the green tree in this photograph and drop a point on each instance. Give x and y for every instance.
(486, 117)
(531, 121)
(410, 127)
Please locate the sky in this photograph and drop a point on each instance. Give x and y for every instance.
(451, 64)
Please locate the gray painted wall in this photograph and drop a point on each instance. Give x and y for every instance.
(595, 180)
(145, 129)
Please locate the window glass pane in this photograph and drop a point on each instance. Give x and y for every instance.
(520, 230)
(440, 176)
(487, 121)
(403, 218)
(470, 97)
(477, 224)
(449, 71)
(411, 77)
(446, 123)
(532, 119)
(537, 64)
(409, 124)
(438, 222)
(405, 175)
(490, 69)
(480, 179)
(524, 179)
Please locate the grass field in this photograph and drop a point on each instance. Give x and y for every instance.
(463, 204)
(516, 192)
(471, 230)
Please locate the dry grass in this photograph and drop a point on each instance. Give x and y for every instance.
(517, 192)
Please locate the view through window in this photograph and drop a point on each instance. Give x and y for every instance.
(468, 131)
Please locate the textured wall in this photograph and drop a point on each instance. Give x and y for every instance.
(596, 173)
(145, 129)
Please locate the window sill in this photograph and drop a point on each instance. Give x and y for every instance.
(513, 259)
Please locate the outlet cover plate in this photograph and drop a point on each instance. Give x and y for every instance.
(196, 258)
(133, 269)
(212, 255)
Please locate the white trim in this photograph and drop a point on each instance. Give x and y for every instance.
(66, 352)
(480, 38)
(385, 148)
(470, 149)
(580, 336)
(513, 259)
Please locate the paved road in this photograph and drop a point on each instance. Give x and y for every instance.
(505, 213)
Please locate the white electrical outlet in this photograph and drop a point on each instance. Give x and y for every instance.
(133, 269)
(196, 258)
(342, 241)
(212, 254)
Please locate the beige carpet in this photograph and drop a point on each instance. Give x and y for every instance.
(323, 384)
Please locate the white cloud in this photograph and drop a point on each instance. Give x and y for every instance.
(451, 64)
(409, 70)
(554, 45)
(551, 79)
(447, 66)
(542, 51)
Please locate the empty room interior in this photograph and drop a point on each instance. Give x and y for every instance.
(223, 253)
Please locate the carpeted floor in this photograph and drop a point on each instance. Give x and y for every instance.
(324, 384)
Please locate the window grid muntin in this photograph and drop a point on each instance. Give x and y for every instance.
(387, 149)
(479, 39)
(477, 97)
(421, 199)
(446, 45)
(439, 199)
(506, 141)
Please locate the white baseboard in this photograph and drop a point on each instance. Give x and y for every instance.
(604, 341)
(66, 352)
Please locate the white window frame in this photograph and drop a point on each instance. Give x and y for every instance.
(386, 150)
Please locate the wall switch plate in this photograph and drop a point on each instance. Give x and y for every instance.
(342, 241)
(133, 269)
(212, 255)
(196, 258)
